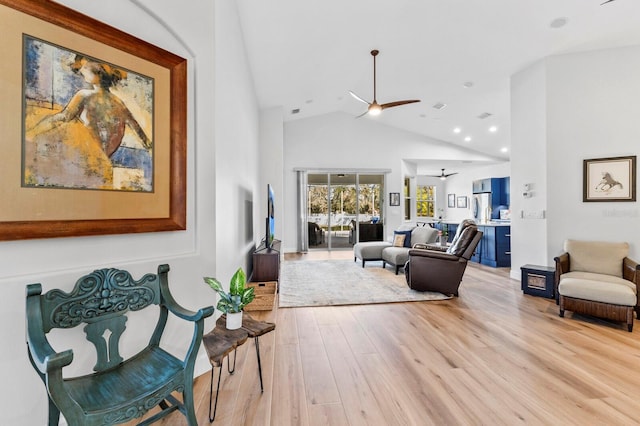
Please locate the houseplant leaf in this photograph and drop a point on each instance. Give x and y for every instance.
(237, 297)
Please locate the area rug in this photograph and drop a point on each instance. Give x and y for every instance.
(343, 282)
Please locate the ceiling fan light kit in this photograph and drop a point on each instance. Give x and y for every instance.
(374, 108)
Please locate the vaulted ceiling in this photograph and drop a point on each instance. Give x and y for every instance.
(306, 56)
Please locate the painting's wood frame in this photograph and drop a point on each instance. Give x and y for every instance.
(83, 25)
(587, 180)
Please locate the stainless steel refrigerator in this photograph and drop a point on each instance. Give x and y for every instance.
(481, 207)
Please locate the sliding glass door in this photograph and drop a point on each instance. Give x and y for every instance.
(341, 206)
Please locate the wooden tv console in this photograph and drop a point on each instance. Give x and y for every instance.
(266, 263)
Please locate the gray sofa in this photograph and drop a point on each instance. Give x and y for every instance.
(398, 256)
(395, 256)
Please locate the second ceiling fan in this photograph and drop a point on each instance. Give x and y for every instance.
(443, 176)
(374, 108)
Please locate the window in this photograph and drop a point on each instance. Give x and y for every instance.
(407, 198)
(425, 201)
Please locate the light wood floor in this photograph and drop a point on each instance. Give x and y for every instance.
(492, 356)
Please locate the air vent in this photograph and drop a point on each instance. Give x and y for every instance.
(484, 115)
(295, 111)
(439, 105)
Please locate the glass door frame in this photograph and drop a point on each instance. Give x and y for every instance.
(380, 205)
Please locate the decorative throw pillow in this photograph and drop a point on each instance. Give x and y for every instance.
(407, 238)
(398, 240)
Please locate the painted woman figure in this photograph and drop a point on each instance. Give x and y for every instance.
(98, 108)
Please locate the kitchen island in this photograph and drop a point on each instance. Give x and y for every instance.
(495, 247)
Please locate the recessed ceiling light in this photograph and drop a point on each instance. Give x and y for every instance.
(439, 105)
(467, 139)
(504, 149)
(493, 129)
(559, 22)
(309, 101)
(484, 115)
(457, 130)
(295, 111)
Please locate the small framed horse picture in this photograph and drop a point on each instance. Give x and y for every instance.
(609, 179)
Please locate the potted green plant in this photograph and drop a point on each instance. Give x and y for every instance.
(232, 302)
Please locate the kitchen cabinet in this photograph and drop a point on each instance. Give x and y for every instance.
(506, 191)
(498, 187)
(492, 185)
(495, 247)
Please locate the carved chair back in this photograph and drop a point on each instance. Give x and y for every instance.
(101, 300)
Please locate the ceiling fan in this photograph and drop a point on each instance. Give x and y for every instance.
(374, 108)
(608, 1)
(442, 176)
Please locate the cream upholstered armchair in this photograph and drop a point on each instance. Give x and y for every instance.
(597, 278)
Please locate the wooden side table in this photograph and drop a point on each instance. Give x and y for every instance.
(220, 342)
(538, 280)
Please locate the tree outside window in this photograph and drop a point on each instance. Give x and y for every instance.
(426, 201)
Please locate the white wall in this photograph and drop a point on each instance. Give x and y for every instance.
(593, 109)
(566, 109)
(529, 165)
(338, 141)
(222, 173)
(271, 160)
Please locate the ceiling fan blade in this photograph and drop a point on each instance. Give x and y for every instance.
(359, 98)
(608, 1)
(374, 107)
(450, 174)
(364, 113)
(398, 103)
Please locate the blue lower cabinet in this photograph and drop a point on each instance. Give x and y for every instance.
(495, 247)
(451, 229)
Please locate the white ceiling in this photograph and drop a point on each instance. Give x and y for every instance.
(307, 55)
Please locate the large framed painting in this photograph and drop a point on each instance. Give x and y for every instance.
(93, 127)
(609, 179)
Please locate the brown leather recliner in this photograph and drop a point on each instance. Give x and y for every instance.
(431, 270)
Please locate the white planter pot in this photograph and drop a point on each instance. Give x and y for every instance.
(234, 320)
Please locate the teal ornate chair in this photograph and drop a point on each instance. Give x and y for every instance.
(119, 390)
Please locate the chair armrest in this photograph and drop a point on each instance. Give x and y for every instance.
(188, 315)
(630, 270)
(432, 246)
(44, 358)
(562, 266)
(42, 355)
(432, 254)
